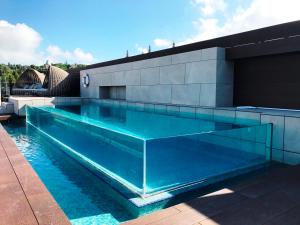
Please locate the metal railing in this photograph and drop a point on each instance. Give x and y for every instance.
(5, 91)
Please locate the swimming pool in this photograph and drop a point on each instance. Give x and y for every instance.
(84, 198)
(102, 180)
(147, 153)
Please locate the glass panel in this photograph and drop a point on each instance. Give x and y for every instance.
(146, 125)
(176, 161)
(150, 152)
(117, 155)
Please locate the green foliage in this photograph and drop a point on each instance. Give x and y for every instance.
(9, 73)
(66, 66)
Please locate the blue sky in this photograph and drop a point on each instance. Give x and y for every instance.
(97, 30)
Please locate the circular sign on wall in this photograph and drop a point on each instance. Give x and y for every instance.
(86, 80)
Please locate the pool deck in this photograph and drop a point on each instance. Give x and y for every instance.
(271, 199)
(24, 199)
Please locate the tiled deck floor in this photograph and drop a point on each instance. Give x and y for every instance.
(23, 197)
(271, 199)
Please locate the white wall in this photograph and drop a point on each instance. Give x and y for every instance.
(18, 103)
(198, 78)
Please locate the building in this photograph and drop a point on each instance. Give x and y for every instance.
(214, 78)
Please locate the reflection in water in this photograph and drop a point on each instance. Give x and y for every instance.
(144, 124)
(105, 113)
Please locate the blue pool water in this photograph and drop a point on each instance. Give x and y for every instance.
(140, 154)
(84, 198)
(142, 124)
(150, 152)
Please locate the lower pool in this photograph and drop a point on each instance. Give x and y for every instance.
(106, 164)
(84, 198)
(149, 153)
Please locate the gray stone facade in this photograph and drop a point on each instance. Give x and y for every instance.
(196, 84)
(198, 78)
(286, 123)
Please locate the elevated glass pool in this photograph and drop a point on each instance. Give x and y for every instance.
(147, 152)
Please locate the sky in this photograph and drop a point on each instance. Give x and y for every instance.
(91, 31)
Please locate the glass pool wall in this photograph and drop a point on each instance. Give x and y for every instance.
(147, 166)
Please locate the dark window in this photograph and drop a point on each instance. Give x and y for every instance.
(269, 81)
(112, 92)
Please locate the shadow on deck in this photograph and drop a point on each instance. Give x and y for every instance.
(270, 199)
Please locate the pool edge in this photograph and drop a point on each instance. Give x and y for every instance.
(39, 204)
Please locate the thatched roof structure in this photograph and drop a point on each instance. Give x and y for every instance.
(29, 77)
(57, 81)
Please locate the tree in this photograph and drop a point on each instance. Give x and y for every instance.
(9, 73)
(6, 73)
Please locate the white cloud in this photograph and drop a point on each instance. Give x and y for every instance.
(141, 50)
(162, 43)
(210, 7)
(18, 43)
(55, 54)
(260, 13)
(21, 44)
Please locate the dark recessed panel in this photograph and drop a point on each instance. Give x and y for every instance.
(271, 81)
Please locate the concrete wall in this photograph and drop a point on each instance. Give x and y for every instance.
(286, 123)
(198, 78)
(286, 130)
(195, 84)
(6, 108)
(19, 103)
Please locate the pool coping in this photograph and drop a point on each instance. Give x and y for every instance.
(24, 197)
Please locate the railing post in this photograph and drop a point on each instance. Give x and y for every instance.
(144, 167)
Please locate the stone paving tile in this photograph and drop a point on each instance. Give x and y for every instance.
(291, 217)
(194, 206)
(293, 191)
(10, 150)
(4, 117)
(31, 184)
(216, 200)
(46, 210)
(211, 204)
(9, 189)
(2, 152)
(184, 218)
(7, 174)
(240, 205)
(245, 183)
(254, 211)
(154, 217)
(43, 205)
(14, 206)
(24, 199)
(17, 160)
(260, 188)
(211, 222)
(8, 144)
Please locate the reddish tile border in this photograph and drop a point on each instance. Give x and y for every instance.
(4, 117)
(24, 198)
(272, 198)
